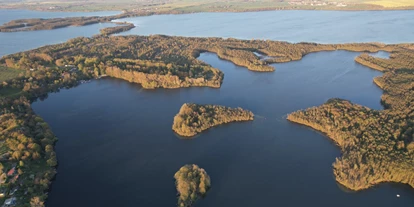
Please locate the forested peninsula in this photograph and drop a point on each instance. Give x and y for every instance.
(195, 118)
(55, 23)
(377, 145)
(168, 62)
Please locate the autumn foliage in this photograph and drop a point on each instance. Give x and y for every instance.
(191, 182)
(377, 145)
(195, 118)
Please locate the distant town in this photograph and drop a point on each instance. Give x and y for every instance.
(316, 3)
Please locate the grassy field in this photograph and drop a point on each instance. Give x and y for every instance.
(10, 92)
(392, 3)
(7, 73)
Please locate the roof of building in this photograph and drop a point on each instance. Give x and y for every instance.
(11, 171)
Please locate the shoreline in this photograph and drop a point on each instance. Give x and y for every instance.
(351, 8)
(331, 137)
(68, 73)
(36, 24)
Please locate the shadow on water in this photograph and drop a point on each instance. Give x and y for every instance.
(115, 139)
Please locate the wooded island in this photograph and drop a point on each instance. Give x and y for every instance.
(195, 118)
(191, 182)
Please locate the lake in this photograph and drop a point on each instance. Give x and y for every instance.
(292, 26)
(115, 139)
(20, 41)
(116, 146)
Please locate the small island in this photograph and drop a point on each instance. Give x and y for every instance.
(191, 182)
(195, 118)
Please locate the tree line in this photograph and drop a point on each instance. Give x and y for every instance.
(377, 145)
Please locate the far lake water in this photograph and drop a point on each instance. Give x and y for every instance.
(116, 146)
(20, 41)
(292, 26)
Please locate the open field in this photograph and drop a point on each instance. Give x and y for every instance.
(9, 92)
(7, 73)
(393, 3)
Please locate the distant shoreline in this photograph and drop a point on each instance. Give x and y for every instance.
(182, 10)
(34, 24)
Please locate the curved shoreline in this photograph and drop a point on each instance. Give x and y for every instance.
(376, 145)
(332, 136)
(35, 24)
(56, 60)
(185, 9)
(194, 118)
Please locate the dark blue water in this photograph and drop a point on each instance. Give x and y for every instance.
(116, 146)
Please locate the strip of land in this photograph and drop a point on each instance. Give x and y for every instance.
(20, 25)
(156, 7)
(189, 6)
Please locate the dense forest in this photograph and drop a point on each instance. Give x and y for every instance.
(169, 62)
(48, 24)
(377, 145)
(195, 118)
(27, 157)
(191, 182)
(118, 29)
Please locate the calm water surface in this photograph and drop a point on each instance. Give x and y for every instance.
(115, 139)
(20, 41)
(292, 26)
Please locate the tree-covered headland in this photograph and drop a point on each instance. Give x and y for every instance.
(195, 118)
(377, 145)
